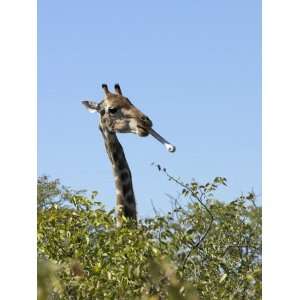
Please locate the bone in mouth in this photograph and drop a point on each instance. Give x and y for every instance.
(168, 146)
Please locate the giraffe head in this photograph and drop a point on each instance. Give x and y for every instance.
(118, 114)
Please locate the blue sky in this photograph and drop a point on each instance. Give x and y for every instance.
(194, 67)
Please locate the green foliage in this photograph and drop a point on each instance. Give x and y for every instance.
(204, 250)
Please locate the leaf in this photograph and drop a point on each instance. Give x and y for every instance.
(224, 276)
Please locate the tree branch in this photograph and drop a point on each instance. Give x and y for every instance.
(200, 200)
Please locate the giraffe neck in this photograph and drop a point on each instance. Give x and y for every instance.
(125, 200)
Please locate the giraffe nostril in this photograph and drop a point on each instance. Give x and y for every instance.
(146, 120)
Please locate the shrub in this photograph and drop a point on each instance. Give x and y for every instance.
(204, 250)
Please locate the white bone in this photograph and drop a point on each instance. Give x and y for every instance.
(168, 146)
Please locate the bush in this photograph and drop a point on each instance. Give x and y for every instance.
(204, 250)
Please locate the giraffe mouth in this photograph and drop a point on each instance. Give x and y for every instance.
(142, 131)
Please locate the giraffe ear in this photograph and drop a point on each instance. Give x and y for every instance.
(91, 106)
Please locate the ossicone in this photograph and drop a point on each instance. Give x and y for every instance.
(118, 89)
(105, 89)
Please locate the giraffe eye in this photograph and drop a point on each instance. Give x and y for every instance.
(112, 110)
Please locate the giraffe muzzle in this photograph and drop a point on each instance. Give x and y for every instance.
(168, 146)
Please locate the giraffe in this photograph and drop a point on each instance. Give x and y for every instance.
(119, 115)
